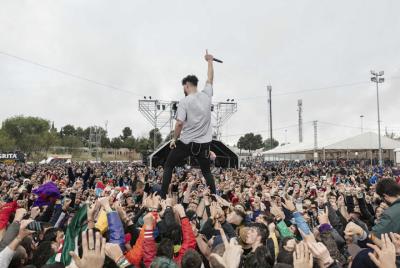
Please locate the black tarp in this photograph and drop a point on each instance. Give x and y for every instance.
(225, 157)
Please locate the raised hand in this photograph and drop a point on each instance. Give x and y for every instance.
(289, 205)
(208, 57)
(320, 252)
(233, 253)
(353, 229)
(302, 258)
(93, 251)
(35, 211)
(396, 241)
(148, 220)
(181, 211)
(19, 214)
(384, 255)
(323, 217)
(113, 251)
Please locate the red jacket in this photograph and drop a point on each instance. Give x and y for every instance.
(150, 248)
(5, 212)
(135, 254)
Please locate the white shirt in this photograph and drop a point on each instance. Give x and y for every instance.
(195, 112)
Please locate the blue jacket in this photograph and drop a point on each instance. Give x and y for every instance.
(116, 230)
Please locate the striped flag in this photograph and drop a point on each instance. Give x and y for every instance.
(75, 228)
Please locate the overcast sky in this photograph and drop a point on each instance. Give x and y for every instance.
(146, 47)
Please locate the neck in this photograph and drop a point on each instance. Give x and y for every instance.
(392, 199)
(255, 246)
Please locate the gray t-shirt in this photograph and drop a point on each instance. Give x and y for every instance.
(195, 113)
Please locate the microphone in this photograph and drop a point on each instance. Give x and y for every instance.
(217, 60)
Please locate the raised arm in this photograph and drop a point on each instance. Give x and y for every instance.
(210, 73)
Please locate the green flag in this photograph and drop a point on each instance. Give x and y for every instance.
(75, 228)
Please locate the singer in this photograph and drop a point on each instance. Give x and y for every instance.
(193, 128)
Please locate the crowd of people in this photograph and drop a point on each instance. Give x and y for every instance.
(281, 214)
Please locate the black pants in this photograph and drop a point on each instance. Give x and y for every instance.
(200, 151)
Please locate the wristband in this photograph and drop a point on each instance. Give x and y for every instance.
(122, 262)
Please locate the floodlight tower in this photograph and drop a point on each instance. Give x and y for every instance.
(221, 112)
(159, 113)
(377, 79)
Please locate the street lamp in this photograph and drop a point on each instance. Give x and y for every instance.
(377, 79)
(361, 117)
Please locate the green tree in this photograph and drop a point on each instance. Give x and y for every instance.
(68, 130)
(105, 142)
(143, 144)
(130, 143)
(267, 144)
(158, 137)
(116, 143)
(126, 133)
(86, 134)
(71, 142)
(29, 133)
(6, 143)
(250, 142)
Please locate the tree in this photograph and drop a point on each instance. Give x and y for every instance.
(105, 142)
(7, 144)
(267, 144)
(250, 142)
(144, 144)
(68, 130)
(126, 133)
(116, 143)
(71, 142)
(130, 143)
(158, 137)
(29, 133)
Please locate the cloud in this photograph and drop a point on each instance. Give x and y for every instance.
(146, 47)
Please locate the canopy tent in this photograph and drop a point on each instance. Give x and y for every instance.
(225, 157)
(364, 145)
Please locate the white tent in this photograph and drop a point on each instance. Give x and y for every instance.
(366, 142)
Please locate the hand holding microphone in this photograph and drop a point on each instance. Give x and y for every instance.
(209, 57)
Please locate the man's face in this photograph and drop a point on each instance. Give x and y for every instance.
(186, 89)
(251, 237)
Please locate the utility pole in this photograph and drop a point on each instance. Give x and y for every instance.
(377, 79)
(315, 140)
(361, 118)
(269, 89)
(300, 110)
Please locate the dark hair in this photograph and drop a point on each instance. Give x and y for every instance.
(261, 231)
(285, 257)
(260, 258)
(192, 79)
(191, 259)
(51, 234)
(389, 187)
(175, 234)
(42, 254)
(27, 244)
(17, 259)
(284, 241)
(165, 248)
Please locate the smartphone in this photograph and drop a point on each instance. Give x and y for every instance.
(35, 226)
